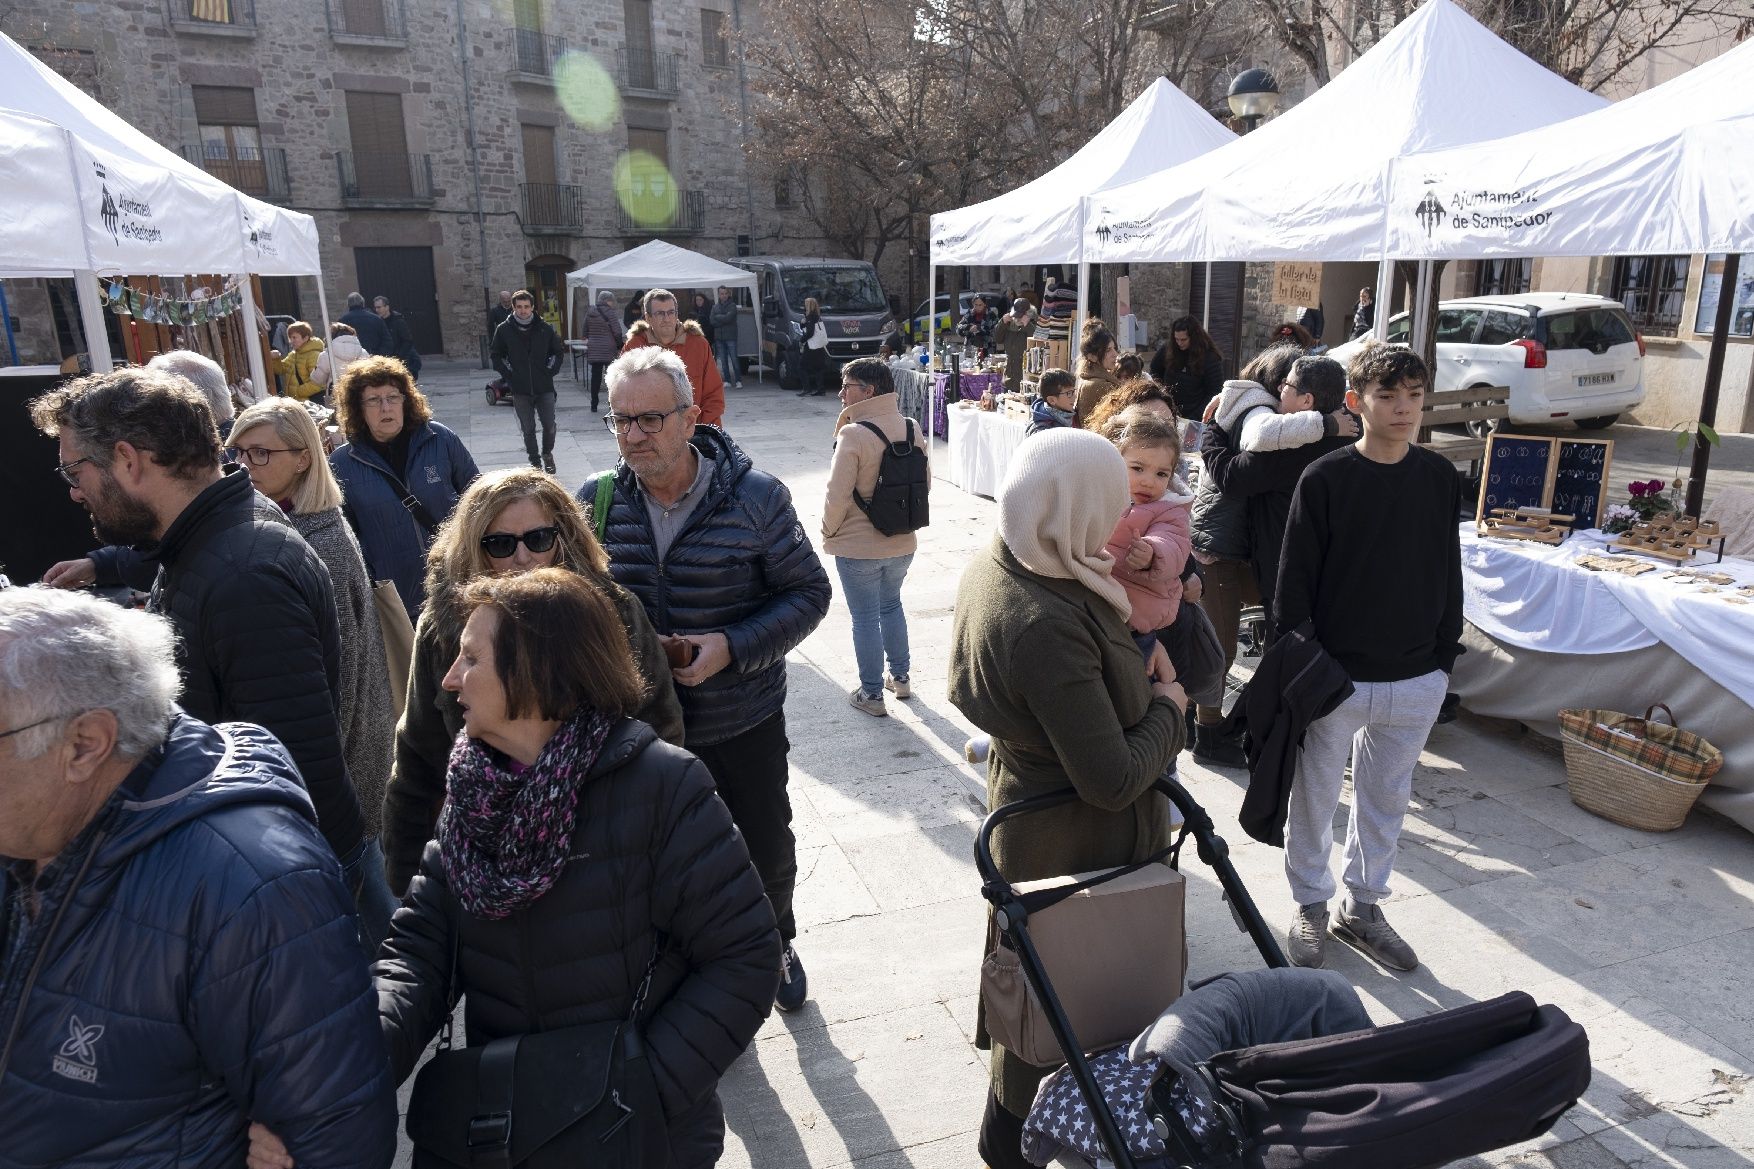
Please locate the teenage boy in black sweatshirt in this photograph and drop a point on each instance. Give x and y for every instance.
(1372, 557)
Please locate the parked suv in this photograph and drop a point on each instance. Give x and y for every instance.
(853, 308)
(1563, 354)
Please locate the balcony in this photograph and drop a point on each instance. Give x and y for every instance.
(535, 55)
(644, 73)
(372, 23)
(551, 208)
(219, 18)
(688, 218)
(261, 173)
(385, 180)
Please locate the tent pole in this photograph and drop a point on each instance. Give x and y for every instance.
(1385, 292)
(91, 319)
(1421, 318)
(1714, 376)
(253, 340)
(323, 308)
(1077, 337)
(1206, 307)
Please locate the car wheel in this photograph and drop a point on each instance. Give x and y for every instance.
(1601, 423)
(790, 376)
(1483, 427)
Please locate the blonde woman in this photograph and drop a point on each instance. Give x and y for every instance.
(813, 358)
(276, 442)
(506, 522)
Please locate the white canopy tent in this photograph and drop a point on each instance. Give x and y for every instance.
(1042, 222)
(656, 264)
(1312, 184)
(90, 195)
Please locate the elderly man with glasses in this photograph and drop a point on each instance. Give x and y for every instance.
(664, 327)
(714, 551)
(179, 955)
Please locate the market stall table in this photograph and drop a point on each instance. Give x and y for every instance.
(981, 445)
(920, 389)
(1544, 633)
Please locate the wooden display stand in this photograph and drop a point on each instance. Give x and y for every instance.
(1554, 477)
(1671, 537)
(1527, 523)
(1040, 355)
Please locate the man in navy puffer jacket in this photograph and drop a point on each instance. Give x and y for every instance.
(714, 551)
(178, 953)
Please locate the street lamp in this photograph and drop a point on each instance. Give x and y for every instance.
(1254, 95)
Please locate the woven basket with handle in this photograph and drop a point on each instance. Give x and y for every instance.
(1635, 771)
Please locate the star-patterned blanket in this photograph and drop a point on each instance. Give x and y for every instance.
(1061, 1120)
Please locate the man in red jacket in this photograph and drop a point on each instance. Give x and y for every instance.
(663, 327)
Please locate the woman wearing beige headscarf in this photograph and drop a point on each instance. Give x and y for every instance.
(1042, 661)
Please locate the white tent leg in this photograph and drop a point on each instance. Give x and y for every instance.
(1385, 291)
(1073, 341)
(253, 340)
(91, 319)
(931, 305)
(1421, 317)
(323, 308)
(1206, 308)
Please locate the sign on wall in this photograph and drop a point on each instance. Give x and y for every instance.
(1297, 283)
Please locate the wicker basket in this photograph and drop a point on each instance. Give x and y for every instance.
(1634, 771)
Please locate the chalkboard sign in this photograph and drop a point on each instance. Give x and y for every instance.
(1580, 480)
(1518, 473)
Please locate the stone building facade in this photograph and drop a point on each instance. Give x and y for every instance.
(448, 149)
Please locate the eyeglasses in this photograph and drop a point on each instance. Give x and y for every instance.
(65, 470)
(259, 455)
(31, 726)
(383, 403)
(650, 422)
(658, 313)
(503, 544)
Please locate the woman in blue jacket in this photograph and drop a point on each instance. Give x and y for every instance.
(400, 471)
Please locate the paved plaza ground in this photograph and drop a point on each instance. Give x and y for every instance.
(1502, 883)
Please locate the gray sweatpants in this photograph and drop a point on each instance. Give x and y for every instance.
(1384, 726)
(528, 407)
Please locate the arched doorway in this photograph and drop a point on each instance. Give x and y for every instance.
(545, 277)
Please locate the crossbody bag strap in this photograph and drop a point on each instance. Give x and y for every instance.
(490, 1129)
(415, 508)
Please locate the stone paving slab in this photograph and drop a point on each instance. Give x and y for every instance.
(1502, 883)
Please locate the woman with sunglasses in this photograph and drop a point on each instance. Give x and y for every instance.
(506, 522)
(276, 441)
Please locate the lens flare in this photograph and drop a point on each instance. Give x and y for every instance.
(645, 188)
(586, 91)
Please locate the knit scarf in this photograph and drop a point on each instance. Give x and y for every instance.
(505, 834)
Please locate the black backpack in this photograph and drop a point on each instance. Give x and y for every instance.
(898, 502)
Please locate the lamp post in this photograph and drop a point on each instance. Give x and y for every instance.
(1253, 95)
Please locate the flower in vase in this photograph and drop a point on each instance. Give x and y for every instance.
(1619, 517)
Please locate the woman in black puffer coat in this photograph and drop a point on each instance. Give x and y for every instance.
(573, 841)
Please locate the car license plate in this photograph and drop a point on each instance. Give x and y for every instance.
(1595, 379)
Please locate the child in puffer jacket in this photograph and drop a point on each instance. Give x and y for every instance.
(1256, 420)
(1151, 543)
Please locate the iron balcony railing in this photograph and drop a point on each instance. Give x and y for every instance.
(238, 14)
(386, 179)
(645, 71)
(550, 208)
(537, 52)
(687, 218)
(261, 173)
(368, 20)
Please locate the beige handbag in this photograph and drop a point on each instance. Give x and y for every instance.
(398, 639)
(1115, 955)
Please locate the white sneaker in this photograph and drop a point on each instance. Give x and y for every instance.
(898, 687)
(874, 707)
(738, 386)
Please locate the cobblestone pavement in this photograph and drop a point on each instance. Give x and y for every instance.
(1501, 884)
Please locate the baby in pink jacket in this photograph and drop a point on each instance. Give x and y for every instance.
(1151, 543)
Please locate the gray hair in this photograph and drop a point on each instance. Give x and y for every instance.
(66, 653)
(355, 300)
(206, 375)
(652, 359)
(656, 294)
(604, 296)
(383, 300)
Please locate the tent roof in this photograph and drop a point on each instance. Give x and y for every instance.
(86, 190)
(658, 264)
(1039, 222)
(1667, 171)
(1311, 184)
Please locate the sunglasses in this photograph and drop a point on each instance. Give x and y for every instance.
(503, 544)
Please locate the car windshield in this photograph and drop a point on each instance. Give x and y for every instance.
(852, 289)
(1594, 329)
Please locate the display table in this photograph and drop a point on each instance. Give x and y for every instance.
(921, 390)
(1544, 634)
(981, 445)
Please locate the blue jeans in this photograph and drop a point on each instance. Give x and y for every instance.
(364, 874)
(726, 354)
(873, 592)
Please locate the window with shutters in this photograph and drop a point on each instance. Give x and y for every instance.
(380, 145)
(654, 142)
(539, 155)
(1503, 277)
(715, 46)
(1652, 288)
(782, 190)
(231, 143)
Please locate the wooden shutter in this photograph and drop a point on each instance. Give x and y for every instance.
(539, 154)
(380, 144)
(224, 105)
(1225, 326)
(714, 50)
(655, 142)
(638, 14)
(527, 14)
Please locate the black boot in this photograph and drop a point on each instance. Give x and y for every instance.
(1216, 749)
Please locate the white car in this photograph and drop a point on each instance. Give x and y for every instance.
(1563, 354)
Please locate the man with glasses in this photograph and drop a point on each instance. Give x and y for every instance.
(178, 952)
(714, 551)
(527, 352)
(252, 605)
(664, 327)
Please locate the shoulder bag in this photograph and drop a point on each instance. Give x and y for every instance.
(398, 633)
(562, 1099)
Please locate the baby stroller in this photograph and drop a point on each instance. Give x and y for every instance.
(1409, 1095)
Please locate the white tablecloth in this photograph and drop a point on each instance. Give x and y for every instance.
(981, 445)
(1536, 596)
